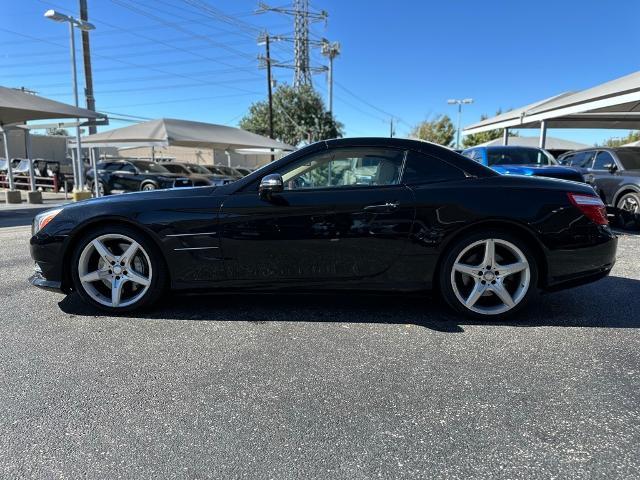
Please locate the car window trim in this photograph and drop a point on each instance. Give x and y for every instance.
(254, 186)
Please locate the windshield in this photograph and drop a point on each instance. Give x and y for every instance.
(193, 168)
(149, 167)
(630, 158)
(519, 156)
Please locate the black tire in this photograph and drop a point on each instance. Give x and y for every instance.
(446, 283)
(149, 186)
(103, 188)
(628, 199)
(158, 281)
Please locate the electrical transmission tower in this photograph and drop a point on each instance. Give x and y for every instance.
(301, 42)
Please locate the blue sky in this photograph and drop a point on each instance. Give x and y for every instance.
(173, 58)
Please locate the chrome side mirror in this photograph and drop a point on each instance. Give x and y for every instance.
(612, 167)
(271, 184)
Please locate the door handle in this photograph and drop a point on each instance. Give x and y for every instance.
(589, 178)
(383, 207)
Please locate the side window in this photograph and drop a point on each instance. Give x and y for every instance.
(421, 168)
(603, 161)
(568, 160)
(173, 168)
(109, 166)
(587, 160)
(470, 154)
(345, 167)
(127, 167)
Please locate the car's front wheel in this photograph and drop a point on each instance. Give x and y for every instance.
(488, 274)
(146, 187)
(117, 269)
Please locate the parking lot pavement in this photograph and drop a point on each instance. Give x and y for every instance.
(353, 386)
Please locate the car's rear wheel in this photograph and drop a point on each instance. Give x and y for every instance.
(629, 202)
(148, 187)
(488, 274)
(117, 269)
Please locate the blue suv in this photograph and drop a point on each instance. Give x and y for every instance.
(513, 160)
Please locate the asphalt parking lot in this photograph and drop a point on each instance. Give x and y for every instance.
(325, 386)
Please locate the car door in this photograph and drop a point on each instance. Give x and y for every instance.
(603, 175)
(342, 215)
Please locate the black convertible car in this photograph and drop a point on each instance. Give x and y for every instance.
(376, 214)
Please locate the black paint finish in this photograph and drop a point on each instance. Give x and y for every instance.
(387, 237)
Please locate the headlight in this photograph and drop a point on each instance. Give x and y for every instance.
(42, 219)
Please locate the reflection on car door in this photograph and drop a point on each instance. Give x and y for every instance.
(349, 227)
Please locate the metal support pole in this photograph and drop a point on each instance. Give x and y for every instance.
(153, 153)
(94, 166)
(5, 138)
(73, 163)
(228, 153)
(543, 134)
(505, 136)
(27, 149)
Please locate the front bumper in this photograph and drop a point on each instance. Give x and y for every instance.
(37, 280)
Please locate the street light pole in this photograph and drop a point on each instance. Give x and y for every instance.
(78, 181)
(459, 102)
(78, 184)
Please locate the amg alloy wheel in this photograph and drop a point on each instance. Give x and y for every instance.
(630, 202)
(489, 274)
(116, 270)
(148, 187)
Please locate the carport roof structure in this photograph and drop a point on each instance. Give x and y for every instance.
(17, 106)
(182, 133)
(614, 104)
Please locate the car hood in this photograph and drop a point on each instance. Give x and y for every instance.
(143, 196)
(533, 170)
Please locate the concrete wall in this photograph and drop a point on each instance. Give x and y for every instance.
(198, 155)
(42, 146)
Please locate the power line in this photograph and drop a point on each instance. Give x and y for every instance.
(185, 100)
(131, 64)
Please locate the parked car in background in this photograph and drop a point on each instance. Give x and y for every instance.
(197, 173)
(381, 214)
(514, 160)
(134, 175)
(224, 170)
(613, 172)
(243, 170)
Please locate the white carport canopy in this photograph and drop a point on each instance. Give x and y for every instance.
(614, 104)
(182, 133)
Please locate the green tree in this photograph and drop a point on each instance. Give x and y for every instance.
(57, 131)
(618, 141)
(482, 137)
(440, 130)
(299, 115)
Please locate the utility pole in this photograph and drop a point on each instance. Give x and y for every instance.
(86, 56)
(331, 51)
(269, 85)
(392, 132)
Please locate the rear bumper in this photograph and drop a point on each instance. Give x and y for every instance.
(570, 268)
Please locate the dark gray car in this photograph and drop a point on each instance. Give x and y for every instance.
(613, 172)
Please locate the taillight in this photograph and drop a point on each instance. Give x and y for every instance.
(591, 206)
